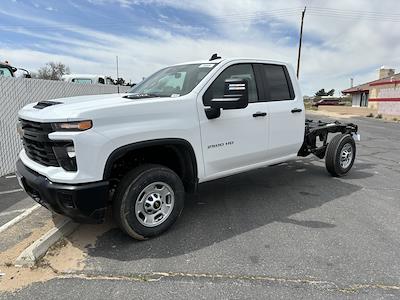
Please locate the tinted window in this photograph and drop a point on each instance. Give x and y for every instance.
(277, 83)
(242, 71)
(5, 72)
(82, 80)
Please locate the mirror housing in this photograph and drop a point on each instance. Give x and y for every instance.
(236, 96)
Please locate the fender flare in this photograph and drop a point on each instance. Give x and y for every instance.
(121, 151)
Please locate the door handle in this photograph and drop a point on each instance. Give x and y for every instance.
(296, 110)
(259, 114)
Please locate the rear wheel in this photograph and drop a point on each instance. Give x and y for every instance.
(148, 201)
(340, 155)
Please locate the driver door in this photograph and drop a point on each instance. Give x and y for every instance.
(238, 138)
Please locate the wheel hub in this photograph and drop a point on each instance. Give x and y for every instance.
(154, 204)
(346, 156)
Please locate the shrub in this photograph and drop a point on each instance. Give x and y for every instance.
(379, 116)
(370, 115)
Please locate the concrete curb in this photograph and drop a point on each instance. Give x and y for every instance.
(38, 249)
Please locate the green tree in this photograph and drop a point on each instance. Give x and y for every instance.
(322, 92)
(52, 71)
(331, 92)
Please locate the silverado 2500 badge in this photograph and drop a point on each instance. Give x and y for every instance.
(230, 143)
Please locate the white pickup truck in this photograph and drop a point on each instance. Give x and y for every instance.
(139, 153)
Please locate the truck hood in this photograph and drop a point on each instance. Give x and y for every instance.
(75, 108)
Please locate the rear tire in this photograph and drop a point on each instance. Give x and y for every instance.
(340, 155)
(148, 200)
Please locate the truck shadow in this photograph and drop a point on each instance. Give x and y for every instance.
(234, 205)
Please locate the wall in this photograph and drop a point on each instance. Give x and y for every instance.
(347, 110)
(17, 92)
(356, 99)
(385, 97)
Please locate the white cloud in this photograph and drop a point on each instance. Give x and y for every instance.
(350, 45)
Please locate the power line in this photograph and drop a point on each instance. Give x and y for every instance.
(236, 18)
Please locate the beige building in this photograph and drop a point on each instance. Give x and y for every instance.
(382, 94)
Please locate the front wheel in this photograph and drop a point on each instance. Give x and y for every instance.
(148, 201)
(340, 155)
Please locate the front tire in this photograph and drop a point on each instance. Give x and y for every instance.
(148, 201)
(340, 155)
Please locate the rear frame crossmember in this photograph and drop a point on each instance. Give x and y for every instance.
(320, 130)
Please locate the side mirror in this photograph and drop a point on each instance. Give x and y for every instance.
(236, 96)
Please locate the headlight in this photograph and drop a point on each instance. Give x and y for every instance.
(72, 126)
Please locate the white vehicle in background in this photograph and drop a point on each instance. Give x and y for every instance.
(9, 71)
(88, 79)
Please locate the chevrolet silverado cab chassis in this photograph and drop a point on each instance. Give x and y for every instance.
(139, 153)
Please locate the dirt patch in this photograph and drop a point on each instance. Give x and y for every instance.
(68, 255)
(333, 114)
(15, 277)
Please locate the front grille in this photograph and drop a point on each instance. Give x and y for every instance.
(37, 144)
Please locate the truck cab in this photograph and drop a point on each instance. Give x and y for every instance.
(87, 79)
(6, 70)
(140, 153)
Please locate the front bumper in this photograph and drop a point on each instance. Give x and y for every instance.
(84, 203)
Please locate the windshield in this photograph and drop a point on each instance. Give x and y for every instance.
(173, 81)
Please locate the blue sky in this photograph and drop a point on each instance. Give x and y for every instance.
(340, 40)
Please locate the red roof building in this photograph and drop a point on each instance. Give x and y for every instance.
(382, 94)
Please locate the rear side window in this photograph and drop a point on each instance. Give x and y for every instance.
(278, 83)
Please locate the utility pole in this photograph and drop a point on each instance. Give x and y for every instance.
(117, 75)
(301, 38)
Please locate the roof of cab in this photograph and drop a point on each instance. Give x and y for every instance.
(216, 61)
(90, 76)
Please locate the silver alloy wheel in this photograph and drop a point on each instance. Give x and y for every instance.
(346, 156)
(154, 204)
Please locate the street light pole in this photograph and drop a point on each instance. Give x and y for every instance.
(300, 41)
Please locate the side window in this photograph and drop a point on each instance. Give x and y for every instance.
(242, 71)
(82, 80)
(278, 85)
(5, 72)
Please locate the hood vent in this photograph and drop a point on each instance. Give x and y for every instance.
(44, 104)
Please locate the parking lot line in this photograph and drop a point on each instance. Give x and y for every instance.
(11, 212)
(11, 176)
(14, 221)
(11, 191)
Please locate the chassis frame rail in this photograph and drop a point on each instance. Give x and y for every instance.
(320, 130)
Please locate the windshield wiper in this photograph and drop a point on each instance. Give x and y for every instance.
(144, 95)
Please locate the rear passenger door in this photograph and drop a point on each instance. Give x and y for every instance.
(285, 110)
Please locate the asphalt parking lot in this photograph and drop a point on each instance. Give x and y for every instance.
(13, 200)
(287, 231)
